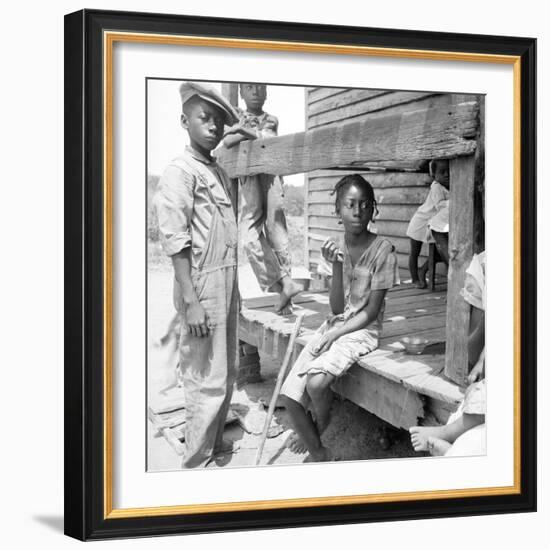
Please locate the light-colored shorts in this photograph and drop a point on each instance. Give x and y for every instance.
(343, 353)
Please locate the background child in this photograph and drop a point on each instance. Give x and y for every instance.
(261, 197)
(362, 272)
(418, 230)
(442, 440)
(196, 203)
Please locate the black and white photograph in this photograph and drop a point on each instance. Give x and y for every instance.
(315, 274)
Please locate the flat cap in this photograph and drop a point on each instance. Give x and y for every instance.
(207, 92)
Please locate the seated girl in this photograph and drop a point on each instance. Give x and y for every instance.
(444, 440)
(362, 272)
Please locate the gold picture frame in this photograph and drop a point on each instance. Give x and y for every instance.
(90, 39)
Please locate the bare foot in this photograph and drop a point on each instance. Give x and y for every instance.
(295, 444)
(226, 446)
(438, 447)
(421, 283)
(289, 289)
(420, 435)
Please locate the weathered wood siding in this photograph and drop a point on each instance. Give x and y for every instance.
(399, 194)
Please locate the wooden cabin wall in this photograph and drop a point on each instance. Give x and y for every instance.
(399, 194)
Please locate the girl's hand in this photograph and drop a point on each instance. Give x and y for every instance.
(197, 320)
(325, 342)
(477, 373)
(330, 251)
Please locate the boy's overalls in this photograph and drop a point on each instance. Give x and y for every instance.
(208, 363)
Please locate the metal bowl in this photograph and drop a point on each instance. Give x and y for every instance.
(414, 345)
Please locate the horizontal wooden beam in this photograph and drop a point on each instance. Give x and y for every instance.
(444, 132)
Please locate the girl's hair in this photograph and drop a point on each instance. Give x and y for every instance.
(359, 181)
(433, 164)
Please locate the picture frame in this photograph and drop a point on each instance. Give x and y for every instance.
(89, 289)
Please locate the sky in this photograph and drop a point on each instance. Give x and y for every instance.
(166, 138)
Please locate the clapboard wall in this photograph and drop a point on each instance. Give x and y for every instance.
(399, 193)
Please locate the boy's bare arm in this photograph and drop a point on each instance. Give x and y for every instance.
(238, 133)
(195, 315)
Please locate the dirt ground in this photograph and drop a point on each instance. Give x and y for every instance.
(353, 433)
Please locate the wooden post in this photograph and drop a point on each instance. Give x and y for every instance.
(431, 266)
(461, 238)
(231, 92)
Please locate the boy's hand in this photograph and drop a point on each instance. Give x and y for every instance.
(197, 320)
(330, 251)
(233, 129)
(325, 342)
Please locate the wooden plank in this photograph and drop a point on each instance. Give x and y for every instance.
(345, 99)
(461, 239)
(416, 135)
(401, 195)
(318, 94)
(427, 100)
(368, 106)
(325, 181)
(409, 289)
(425, 298)
(437, 335)
(394, 313)
(418, 373)
(412, 326)
(384, 398)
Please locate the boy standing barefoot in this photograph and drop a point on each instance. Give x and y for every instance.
(262, 213)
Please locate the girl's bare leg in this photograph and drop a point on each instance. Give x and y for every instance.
(414, 252)
(318, 389)
(306, 430)
(442, 245)
(448, 432)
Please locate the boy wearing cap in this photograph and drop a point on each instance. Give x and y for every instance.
(262, 213)
(196, 206)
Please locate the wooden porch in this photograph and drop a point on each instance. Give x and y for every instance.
(402, 389)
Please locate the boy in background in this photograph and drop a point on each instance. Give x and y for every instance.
(262, 213)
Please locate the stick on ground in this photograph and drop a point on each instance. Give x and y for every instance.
(280, 378)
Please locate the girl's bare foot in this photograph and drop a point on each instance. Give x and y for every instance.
(421, 283)
(226, 446)
(438, 447)
(420, 435)
(295, 444)
(289, 289)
